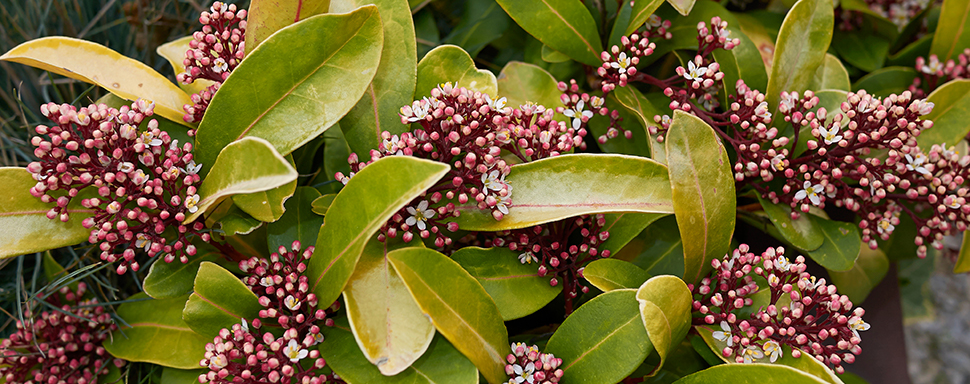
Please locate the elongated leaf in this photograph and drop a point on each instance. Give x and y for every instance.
(703, 192)
(268, 16)
(610, 274)
(219, 301)
(235, 221)
(563, 25)
(803, 234)
(441, 364)
(359, 210)
(841, 247)
(174, 52)
(23, 217)
(963, 259)
(246, 166)
(750, 374)
(952, 33)
(588, 341)
(522, 82)
(156, 334)
(388, 325)
(624, 227)
(571, 185)
(167, 280)
(295, 105)
(949, 115)
(736, 63)
(885, 81)
(866, 273)
(516, 287)
(864, 50)
(682, 6)
(831, 75)
(322, 204)
(458, 305)
(637, 145)
(298, 223)
(658, 250)
(96, 64)
(449, 63)
(483, 22)
(641, 12)
(636, 102)
(665, 306)
(268, 205)
(800, 48)
(805, 364)
(393, 85)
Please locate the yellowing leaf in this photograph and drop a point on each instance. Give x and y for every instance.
(268, 16)
(23, 217)
(174, 52)
(665, 306)
(450, 63)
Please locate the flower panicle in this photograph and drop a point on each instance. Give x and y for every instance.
(213, 54)
(527, 364)
(932, 73)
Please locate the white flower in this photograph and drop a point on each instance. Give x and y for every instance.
(191, 168)
(857, 325)
(126, 167)
(528, 257)
(694, 72)
(831, 136)
(292, 303)
(778, 162)
(143, 242)
(622, 63)
(922, 107)
(782, 263)
(504, 202)
(885, 226)
(245, 325)
(724, 334)
(932, 67)
(524, 374)
(150, 139)
(653, 21)
(317, 338)
(578, 113)
(493, 181)
(812, 283)
(949, 152)
(192, 203)
(174, 172)
(173, 145)
(389, 146)
(496, 105)
(773, 350)
(218, 362)
(954, 204)
(724, 33)
(787, 101)
(294, 352)
(916, 163)
(761, 111)
(266, 281)
(597, 102)
(139, 177)
(810, 191)
(866, 105)
(419, 216)
(219, 65)
(665, 120)
(752, 353)
(415, 112)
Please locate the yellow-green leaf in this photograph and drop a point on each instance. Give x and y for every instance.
(565, 26)
(682, 6)
(641, 12)
(516, 288)
(23, 217)
(800, 48)
(268, 16)
(952, 33)
(451, 64)
(635, 102)
(665, 306)
(949, 115)
(963, 259)
(831, 74)
(750, 374)
(155, 333)
(610, 274)
(174, 52)
(869, 269)
(219, 301)
(522, 82)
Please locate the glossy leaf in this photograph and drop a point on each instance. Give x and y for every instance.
(637, 145)
(298, 223)
(458, 306)
(516, 288)
(482, 22)
(665, 307)
(588, 341)
(393, 85)
(264, 169)
(803, 234)
(841, 247)
(358, 211)
(866, 273)
(565, 26)
(736, 63)
(268, 205)
(658, 250)
(219, 301)
(297, 104)
(886, 81)
(571, 185)
(155, 333)
(522, 82)
(804, 364)
(800, 48)
(235, 221)
(641, 12)
(387, 323)
(96, 64)
(624, 227)
(550, 55)
(449, 63)
(863, 49)
(757, 32)
(610, 274)
(167, 280)
(322, 204)
(174, 52)
(23, 217)
(952, 33)
(830, 75)
(703, 192)
(268, 16)
(750, 374)
(963, 258)
(636, 102)
(682, 6)
(441, 364)
(949, 115)
(180, 376)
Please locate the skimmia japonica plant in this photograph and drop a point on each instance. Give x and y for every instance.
(605, 192)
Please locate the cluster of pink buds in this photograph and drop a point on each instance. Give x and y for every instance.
(243, 355)
(145, 182)
(934, 73)
(468, 130)
(619, 64)
(574, 107)
(214, 52)
(816, 321)
(899, 12)
(526, 364)
(61, 346)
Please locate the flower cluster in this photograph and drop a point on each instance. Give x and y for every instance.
(899, 12)
(470, 131)
(244, 355)
(144, 181)
(574, 107)
(803, 312)
(60, 346)
(213, 53)
(933, 73)
(620, 63)
(526, 364)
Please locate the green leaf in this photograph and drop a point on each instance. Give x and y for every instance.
(658, 250)
(483, 22)
(174, 52)
(907, 56)
(516, 288)
(886, 81)
(458, 306)
(265, 17)
(441, 364)
(298, 223)
(611, 274)
(703, 192)
(449, 63)
(155, 333)
(803, 234)
(180, 376)
(335, 154)
(637, 145)
(862, 49)
(522, 82)
(590, 340)
(735, 63)
(800, 48)
(949, 115)
(624, 227)
(96, 64)
(245, 166)
(570, 185)
(665, 306)
(322, 204)
(682, 6)
(830, 75)
(565, 26)
(167, 280)
(393, 85)
(234, 221)
(371, 197)
(219, 301)
(23, 217)
(805, 364)
(641, 12)
(329, 60)
(268, 205)
(387, 323)
(750, 374)
(634, 101)
(868, 271)
(841, 247)
(963, 258)
(550, 55)
(952, 33)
